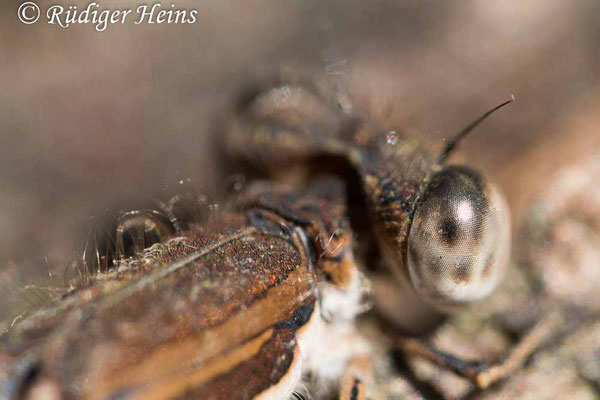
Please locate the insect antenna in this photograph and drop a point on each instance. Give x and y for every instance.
(465, 131)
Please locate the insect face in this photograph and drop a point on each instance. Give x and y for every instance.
(459, 238)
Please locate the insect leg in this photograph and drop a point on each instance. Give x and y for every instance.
(481, 373)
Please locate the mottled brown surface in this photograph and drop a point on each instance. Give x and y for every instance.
(276, 356)
(189, 301)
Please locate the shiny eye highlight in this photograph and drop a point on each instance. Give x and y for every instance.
(138, 230)
(459, 240)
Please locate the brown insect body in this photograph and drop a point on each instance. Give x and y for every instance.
(223, 304)
(230, 304)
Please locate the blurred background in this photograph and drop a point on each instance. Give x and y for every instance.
(90, 118)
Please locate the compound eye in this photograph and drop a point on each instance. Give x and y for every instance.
(459, 240)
